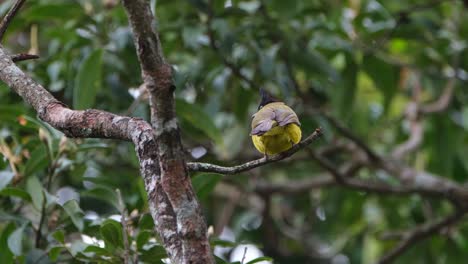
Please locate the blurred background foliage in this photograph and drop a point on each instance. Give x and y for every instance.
(360, 61)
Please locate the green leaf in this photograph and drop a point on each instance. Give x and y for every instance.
(373, 250)
(77, 247)
(384, 75)
(15, 241)
(5, 254)
(222, 243)
(35, 190)
(37, 256)
(146, 222)
(10, 113)
(220, 260)
(260, 259)
(97, 250)
(154, 254)
(285, 8)
(464, 117)
(344, 97)
(111, 232)
(16, 192)
(204, 183)
(88, 81)
(50, 133)
(240, 103)
(314, 62)
(198, 118)
(5, 178)
(143, 238)
(76, 214)
(104, 194)
(444, 140)
(50, 199)
(59, 236)
(54, 252)
(191, 36)
(64, 11)
(12, 217)
(38, 160)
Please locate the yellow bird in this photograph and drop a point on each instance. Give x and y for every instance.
(275, 126)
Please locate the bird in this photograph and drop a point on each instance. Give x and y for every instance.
(275, 126)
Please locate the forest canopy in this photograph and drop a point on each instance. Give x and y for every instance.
(379, 88)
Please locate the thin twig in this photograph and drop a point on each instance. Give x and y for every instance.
(50, 175)
(243, 256)
(123, 213)
(23, 57)
(414, 118)
(351, 136)
(207, 167)
(9, 17)
(442, 103)
(420, 233)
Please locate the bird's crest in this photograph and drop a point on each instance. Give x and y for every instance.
(266, 98)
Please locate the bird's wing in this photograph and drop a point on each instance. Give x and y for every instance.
(271, 116)
(264, 120)
(285, 115)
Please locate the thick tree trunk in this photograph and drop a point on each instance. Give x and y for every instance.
(188, 242)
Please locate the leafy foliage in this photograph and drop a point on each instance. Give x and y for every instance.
(359, 60)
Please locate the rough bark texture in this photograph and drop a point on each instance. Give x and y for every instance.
(87, 123)
(100, 124)
(176, 193)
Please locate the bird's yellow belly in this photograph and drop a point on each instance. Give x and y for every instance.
(277, 139)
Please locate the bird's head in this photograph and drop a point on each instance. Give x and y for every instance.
(266, 98)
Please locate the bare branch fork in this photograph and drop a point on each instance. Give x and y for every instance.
(4, 25)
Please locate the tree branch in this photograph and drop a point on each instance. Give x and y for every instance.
(416, 127)
(95, 123)
(187, 241)
(206, 167)
(419, 233)
(9, 17)
(82, 124)
(443, 101)
(123, 220)
(100, 124)
(23, 57)
(413, 142)
(351, 136)
(368, 186)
